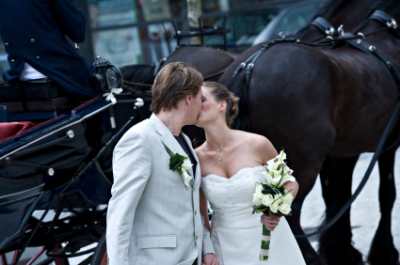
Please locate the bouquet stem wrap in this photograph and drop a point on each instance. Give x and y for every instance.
(265, 241)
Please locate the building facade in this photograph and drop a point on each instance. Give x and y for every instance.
(142, 31)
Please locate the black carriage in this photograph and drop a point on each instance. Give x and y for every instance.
(55, 177)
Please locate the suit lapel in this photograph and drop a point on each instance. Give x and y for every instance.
(197, 170)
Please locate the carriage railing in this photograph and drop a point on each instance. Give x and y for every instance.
(183, 37)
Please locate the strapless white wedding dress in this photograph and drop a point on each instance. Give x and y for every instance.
(236, 231)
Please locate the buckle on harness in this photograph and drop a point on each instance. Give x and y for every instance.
(392, 24)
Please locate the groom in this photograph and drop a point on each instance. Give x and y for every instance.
(153, 215)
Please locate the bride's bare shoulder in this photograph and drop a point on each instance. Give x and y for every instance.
(259, 143)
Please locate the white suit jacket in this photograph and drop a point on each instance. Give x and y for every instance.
(153, 218)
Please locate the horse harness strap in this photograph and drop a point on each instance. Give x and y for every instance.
(384, 18)
(324, 26)
(364, 46)
(248, 65)
(368, 48)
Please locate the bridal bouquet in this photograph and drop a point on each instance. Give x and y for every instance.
(270, 196)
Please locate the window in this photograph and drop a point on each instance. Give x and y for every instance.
(3, 60)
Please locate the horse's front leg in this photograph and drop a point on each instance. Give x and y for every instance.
(306, 179)
(383, 250)
(335, 245)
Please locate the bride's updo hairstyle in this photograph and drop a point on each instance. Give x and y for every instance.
(221, 93)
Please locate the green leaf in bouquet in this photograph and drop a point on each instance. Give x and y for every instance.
(259, 209)
(176, 161)
(272, 190)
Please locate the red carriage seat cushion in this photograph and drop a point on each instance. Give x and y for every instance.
(11, 129)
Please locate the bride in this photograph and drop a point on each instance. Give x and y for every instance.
(232, 163)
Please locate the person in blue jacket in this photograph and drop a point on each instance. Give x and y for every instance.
(39, 37)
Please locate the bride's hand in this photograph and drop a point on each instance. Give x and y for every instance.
(270, 221)
(210, 259)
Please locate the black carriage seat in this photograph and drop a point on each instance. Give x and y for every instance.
(40, 163)
(33, 101)
(60, 145)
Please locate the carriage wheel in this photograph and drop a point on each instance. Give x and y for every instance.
(100, 255)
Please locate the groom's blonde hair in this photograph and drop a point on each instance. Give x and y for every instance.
(174, 82)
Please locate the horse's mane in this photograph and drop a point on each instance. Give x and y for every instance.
(333, 6)
(330, 8)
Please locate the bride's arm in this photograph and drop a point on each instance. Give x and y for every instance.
(267, 151)
(204, 211)
(209, 256)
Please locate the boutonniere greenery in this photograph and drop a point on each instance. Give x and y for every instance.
(180, 164)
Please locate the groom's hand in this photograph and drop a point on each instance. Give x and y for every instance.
(210, 259)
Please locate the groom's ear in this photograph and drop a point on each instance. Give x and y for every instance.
(188, 100)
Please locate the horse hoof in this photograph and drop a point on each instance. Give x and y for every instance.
(339, 256)
(387, 256)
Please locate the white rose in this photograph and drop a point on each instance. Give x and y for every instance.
(187, 178)
(267, 199)
(276, 179)
(276, 203)
(272, 165)
(271, 178)
(286, 203)
(257, 196)
(187, 165)
(257, 199)
(288, 198)
(259, 188)
(285, 209)
(282, 156)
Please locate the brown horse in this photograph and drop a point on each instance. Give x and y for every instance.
(337, 190)
(315, 106)
(336, 175)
